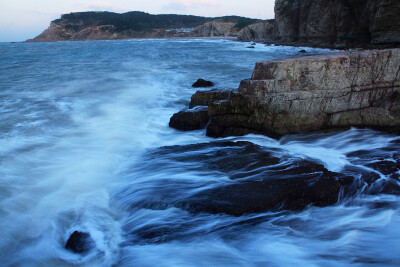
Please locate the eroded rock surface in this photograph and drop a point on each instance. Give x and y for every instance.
(340, 23)
(314, 93)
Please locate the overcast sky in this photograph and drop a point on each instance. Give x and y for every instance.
(23, 19)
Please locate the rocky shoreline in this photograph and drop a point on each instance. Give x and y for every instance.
(82, 26)
(339, 24)
(305, 94)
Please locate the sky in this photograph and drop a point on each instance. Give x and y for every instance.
(24, 19)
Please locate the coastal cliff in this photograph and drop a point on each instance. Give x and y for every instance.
(338, 23)
(311, 93)
(110, 26)
(259, 31)
(215, 28)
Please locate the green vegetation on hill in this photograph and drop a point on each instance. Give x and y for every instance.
(241, 22)
(141, 21)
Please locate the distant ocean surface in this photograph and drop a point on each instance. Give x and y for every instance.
(83, 131)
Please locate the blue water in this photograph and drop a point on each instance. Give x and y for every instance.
(77, 123)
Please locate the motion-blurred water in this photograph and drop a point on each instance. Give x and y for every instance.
(77, 123)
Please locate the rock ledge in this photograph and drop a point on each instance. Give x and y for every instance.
(311, 93)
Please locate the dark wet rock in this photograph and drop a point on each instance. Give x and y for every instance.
(379, 168)
(205, 98)
(193, 119)
(80, 242)
(197, 116)
(268, 194)
(238, 116)
(386, 167)
(236, 159)
(264, 182)
(302, 51)
(261, 179)
(251, 46)
(202, 83)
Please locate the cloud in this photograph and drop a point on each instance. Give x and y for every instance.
(184, 5)
(192, 3)
(100, 6)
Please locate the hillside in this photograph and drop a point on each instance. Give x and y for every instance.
(109, 25)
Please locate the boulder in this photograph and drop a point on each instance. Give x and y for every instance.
(197, 117)
(202, 83)
(205, 98)
(80, 242)
(193, 119)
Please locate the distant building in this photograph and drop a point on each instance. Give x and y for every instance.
(181, 30)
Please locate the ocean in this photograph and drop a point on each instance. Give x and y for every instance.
(85, 146)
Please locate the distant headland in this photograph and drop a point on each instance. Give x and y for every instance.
(110, 26)
(336, 24)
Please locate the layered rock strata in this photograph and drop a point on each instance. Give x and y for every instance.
(312, 93)
(340, 23)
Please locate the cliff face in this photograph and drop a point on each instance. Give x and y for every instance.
(58, 32)
(341, 23)
(215, 28)
(260, 31)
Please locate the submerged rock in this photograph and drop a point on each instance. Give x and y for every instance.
(261, 180)
(79, 242)
(202, 83)
(267, 194)
(256, 179)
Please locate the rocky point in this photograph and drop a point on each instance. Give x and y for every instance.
(311, 93)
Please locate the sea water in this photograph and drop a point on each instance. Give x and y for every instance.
(77, 123)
